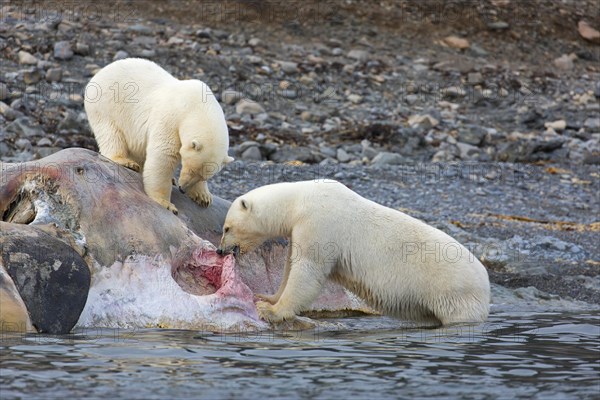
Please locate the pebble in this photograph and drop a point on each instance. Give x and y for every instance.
(44, 142)
(139, 28)
(367, 151)
(498, 25)
(204, 33)
(474, 78)
(564, 63)
(254, 42)
(342, 156)
(296, 153)
(256, 60)
(358, 55)
(355, 98)
(245, 106)
(23, 144)
(252, 154)
(230, 96)
(424, 121)
(82, 49)
(288, 67)
(148, 53)
(27, 58)
(70, 123)
(588, 33)
(456, 42)
(7, 112)
(63, 51)
(120, 55)
(54, 75)
(592, 124)
(472, 134)
(478, 50)
(328, 151)
(22, 126)
(387, 158)
(4, 92)
(454, 92)
(31, 76)
(559, 125)
(467, 151)
(246, 145)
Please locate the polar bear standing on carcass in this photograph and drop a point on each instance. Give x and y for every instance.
(145, 119)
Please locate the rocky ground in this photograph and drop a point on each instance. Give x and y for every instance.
(481, 117)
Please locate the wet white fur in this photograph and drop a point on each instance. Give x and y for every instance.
(143, 117)
(397, 263)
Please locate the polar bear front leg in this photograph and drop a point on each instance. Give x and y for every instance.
(158, 172)
(200, 194)
(304, 283)
(286, 273)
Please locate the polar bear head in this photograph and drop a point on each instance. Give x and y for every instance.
(244, 228)
(199, 162)
(203, 134)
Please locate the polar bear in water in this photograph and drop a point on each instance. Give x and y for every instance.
(398, 264)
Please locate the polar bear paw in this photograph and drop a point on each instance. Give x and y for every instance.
(202, 198)
(168, 205)
(270, 313)
(271, 299)
(127, 163)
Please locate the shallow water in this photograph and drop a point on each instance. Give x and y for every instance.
(513, 355)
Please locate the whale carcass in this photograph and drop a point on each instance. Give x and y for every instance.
(81, 244)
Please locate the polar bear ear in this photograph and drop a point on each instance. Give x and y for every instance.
(228, 159)
(244, 204)
(196, 145)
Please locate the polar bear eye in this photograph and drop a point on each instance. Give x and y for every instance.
(226, 230)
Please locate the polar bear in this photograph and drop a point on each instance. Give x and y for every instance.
(145, 119)
(398, 264)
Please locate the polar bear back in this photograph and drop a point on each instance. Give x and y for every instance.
(135, 95)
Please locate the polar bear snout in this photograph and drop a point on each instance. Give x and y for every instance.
(187, 179)
(235, 250)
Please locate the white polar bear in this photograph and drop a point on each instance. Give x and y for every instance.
(397, 263)
(142, 116)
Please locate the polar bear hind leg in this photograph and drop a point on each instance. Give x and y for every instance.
(112, 145)
(460, 310)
